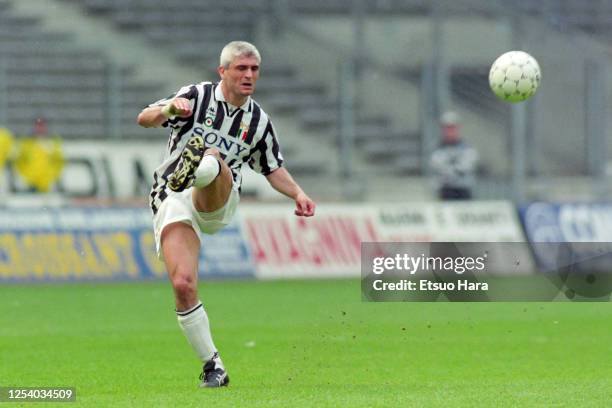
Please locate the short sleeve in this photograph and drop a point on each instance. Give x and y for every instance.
(267, 156)
(188, 92)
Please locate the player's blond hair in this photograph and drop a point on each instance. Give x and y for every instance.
(236, 49)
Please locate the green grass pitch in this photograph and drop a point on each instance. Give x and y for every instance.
(303, 344)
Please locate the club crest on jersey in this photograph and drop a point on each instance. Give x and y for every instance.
(243, 131)
(211, 112)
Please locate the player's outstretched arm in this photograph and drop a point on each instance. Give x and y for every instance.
(282, 182)
(154, 116)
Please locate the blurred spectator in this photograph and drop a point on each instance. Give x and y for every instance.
(454, 162)
(39, 159)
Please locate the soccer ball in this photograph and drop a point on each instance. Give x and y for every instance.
(514, 76)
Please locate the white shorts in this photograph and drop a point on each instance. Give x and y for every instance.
(178, 207)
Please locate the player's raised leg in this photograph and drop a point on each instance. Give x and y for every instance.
(203, 169)
(181, 247)
(213, 182)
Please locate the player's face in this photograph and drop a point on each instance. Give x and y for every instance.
(240, 77)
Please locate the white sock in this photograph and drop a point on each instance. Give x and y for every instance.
(194, 323)
(207, 171)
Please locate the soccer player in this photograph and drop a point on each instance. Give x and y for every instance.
(215, 129)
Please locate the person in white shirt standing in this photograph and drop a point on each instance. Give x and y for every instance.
(454, 162)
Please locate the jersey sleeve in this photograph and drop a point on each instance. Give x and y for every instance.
(267, 156)
(189, 92)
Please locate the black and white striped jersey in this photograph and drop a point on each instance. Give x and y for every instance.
(242, 134)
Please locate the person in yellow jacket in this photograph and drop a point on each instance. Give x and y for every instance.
(6, 146)
(39, 159)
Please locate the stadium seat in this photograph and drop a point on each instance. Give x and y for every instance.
(46, 71)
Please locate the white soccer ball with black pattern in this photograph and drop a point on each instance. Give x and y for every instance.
(515, 76)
